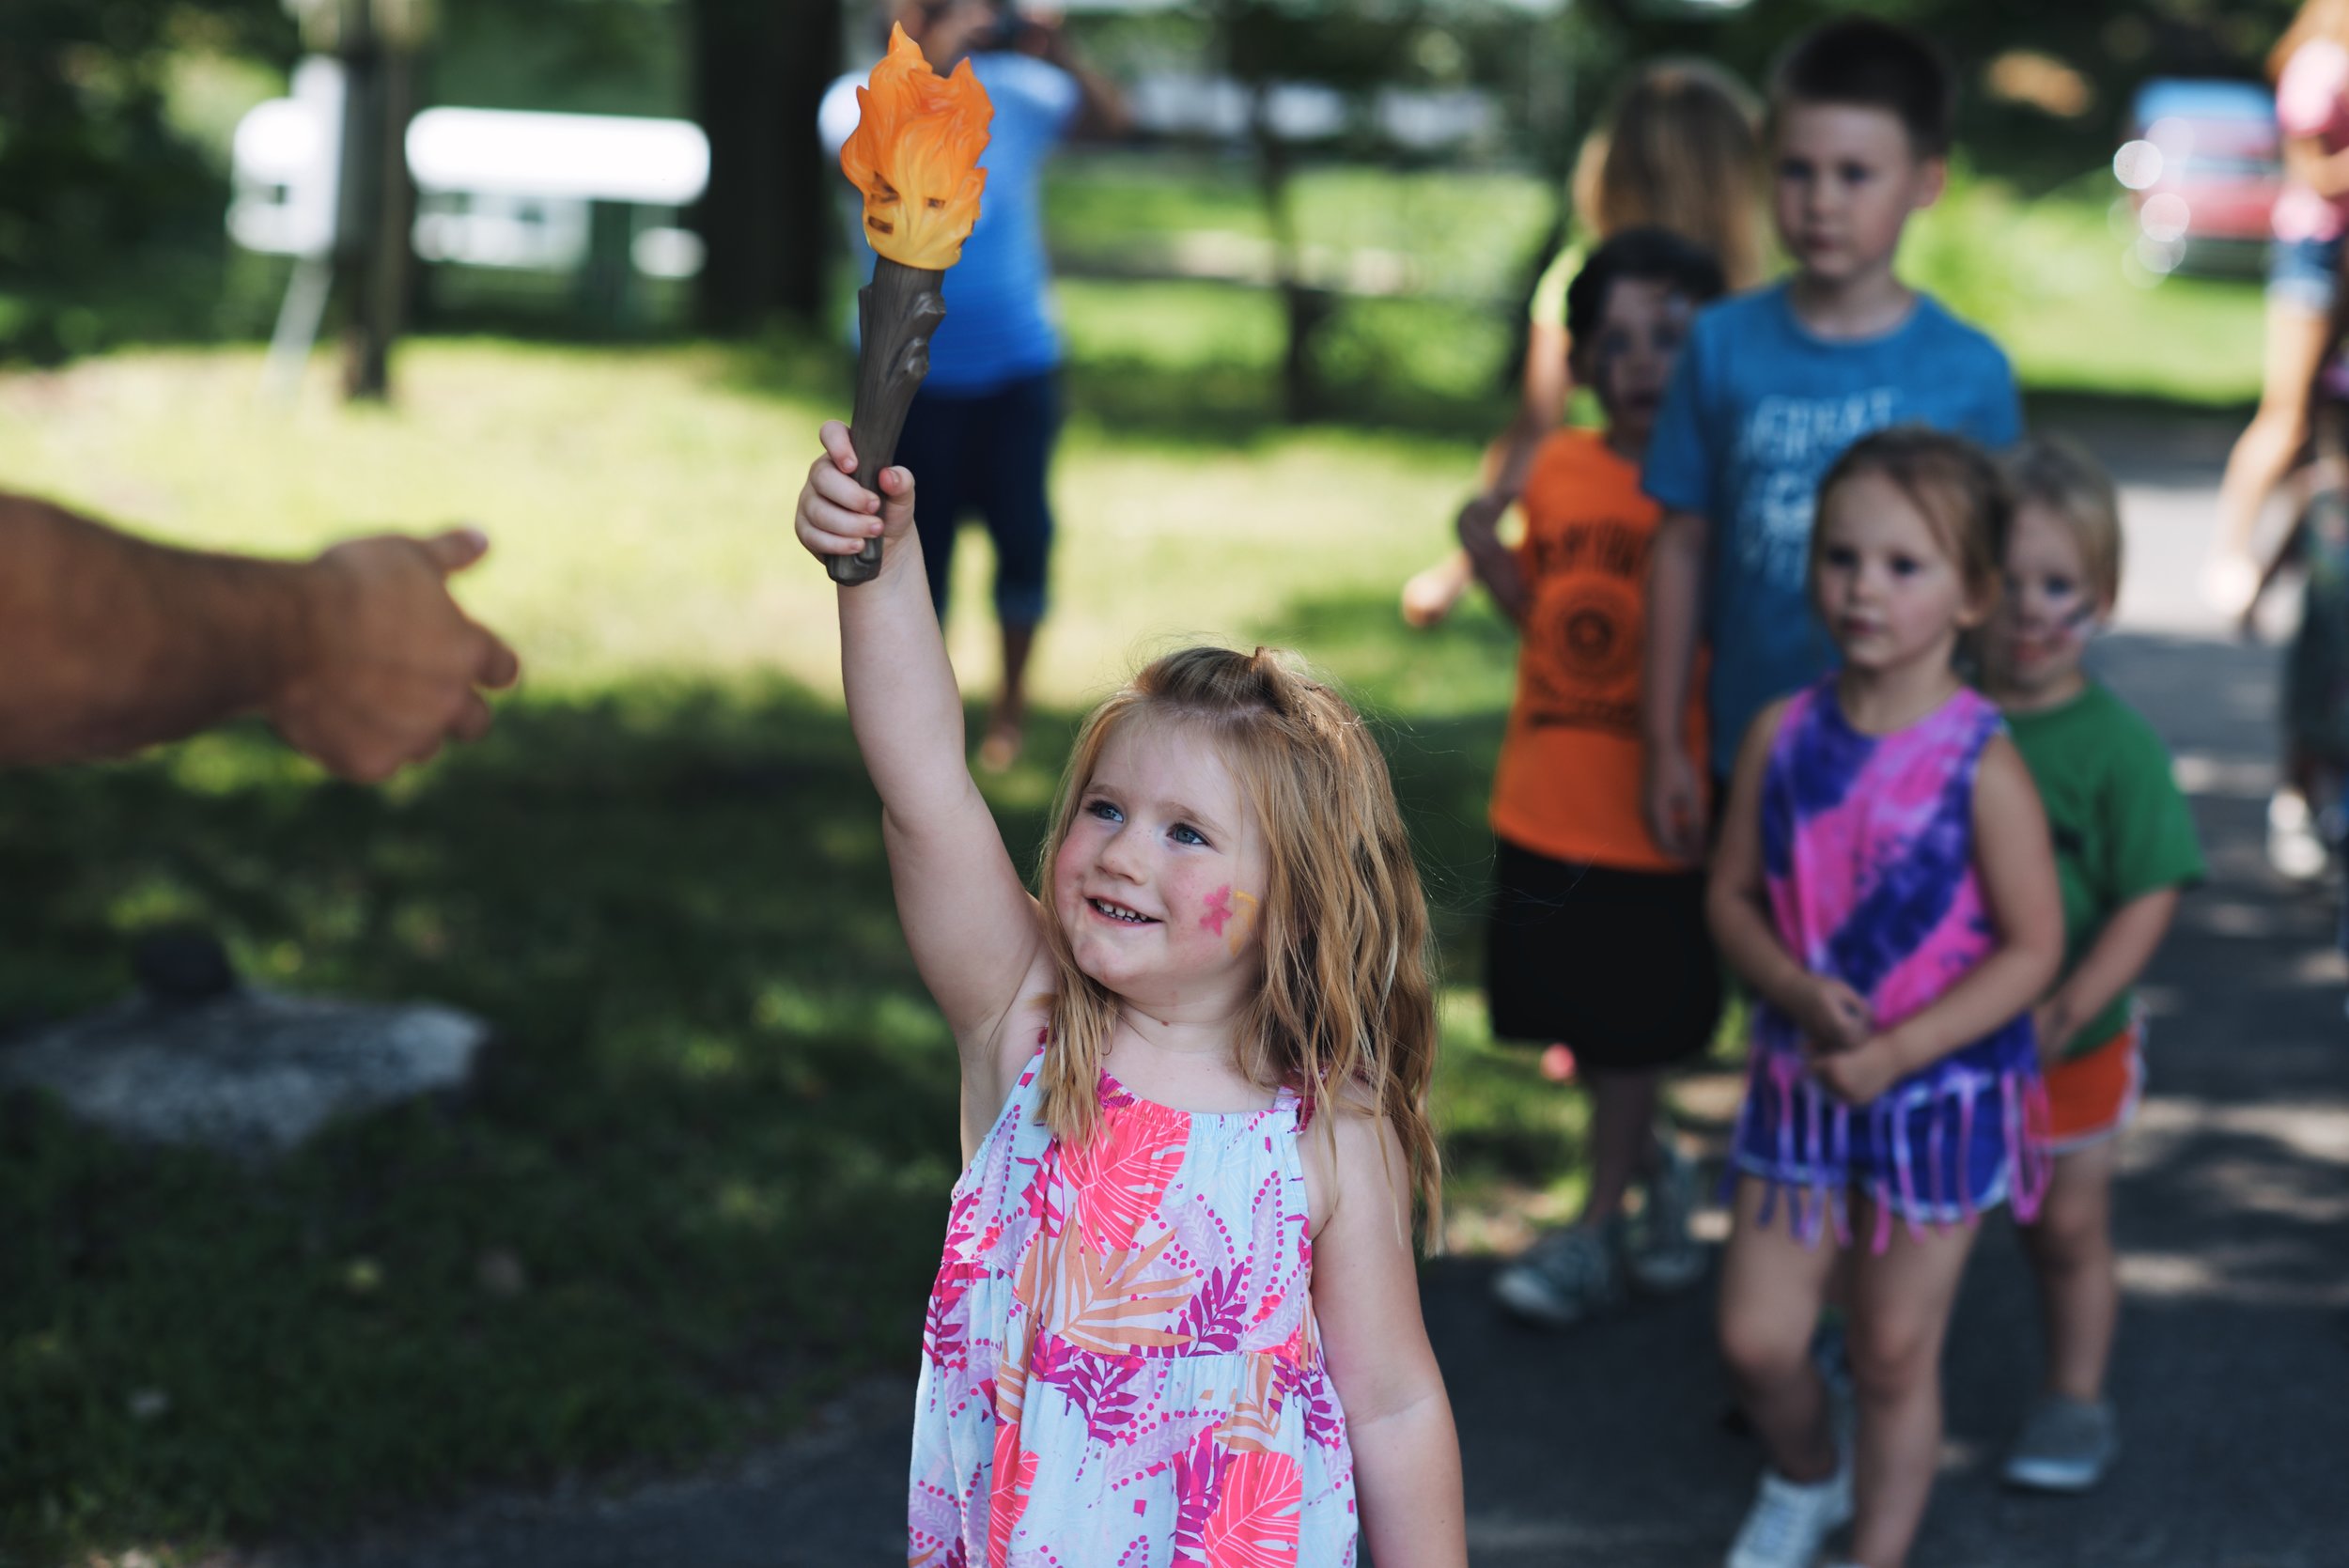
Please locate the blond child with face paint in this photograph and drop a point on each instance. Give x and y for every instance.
(1178, 1305)
(2125, 850)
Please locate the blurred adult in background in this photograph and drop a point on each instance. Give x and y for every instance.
(1681, 150)
(979, 437)
(360, 658)
(2310, 68)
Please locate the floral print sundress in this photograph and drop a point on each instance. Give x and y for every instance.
(1120, 1367)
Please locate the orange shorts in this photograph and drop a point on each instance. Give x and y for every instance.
(2091, 1096)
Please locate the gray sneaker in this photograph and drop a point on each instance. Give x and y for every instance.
(2065, 1447)
(1661, 1254)
(1564, 1277)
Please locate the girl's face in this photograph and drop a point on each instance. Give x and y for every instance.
(1160, 878)
(1884, 584)
(2040, 627)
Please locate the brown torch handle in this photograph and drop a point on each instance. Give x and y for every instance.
(897, 311)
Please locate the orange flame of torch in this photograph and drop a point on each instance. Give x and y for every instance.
(915, 155)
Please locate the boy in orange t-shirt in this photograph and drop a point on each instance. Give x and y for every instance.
(1597, 938)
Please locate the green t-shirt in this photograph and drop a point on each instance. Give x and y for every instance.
(2121, 829)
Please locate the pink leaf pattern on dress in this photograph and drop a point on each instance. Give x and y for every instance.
(1120, 1363)
(1015, 1482)
(1120, 1176)
(1100, 1387)
(1255, 1523)
(1217, 1314)
(1198, 1488)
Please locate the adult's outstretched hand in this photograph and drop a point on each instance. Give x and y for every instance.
(387, 668)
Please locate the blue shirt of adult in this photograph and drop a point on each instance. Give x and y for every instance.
(1760, 407)
(999, 326)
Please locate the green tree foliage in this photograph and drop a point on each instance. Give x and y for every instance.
(89, 167)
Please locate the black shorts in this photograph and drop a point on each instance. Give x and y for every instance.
(1616, 964)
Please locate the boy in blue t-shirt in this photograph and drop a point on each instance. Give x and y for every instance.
(1774, 384)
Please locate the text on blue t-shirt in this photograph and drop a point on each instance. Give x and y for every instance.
(1759, 408)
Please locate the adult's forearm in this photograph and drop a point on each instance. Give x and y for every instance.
(109, 643)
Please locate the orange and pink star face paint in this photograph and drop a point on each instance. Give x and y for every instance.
(1230, 915)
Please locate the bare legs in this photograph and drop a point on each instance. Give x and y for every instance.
(2070, 1247)
(1772, 1287)
(1623, 1138)
(1900, 1313)
(1006, 722)
(2264, 453)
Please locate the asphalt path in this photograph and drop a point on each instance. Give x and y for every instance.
(1607, 1445)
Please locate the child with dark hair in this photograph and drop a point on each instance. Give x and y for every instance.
(1857, 62)
(1885, 885)
(1775, 384)
(1597, 940)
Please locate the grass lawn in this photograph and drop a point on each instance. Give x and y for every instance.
(2045, 277)
(717, 1128)
(716, 1131)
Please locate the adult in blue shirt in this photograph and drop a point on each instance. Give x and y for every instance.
(979, 436)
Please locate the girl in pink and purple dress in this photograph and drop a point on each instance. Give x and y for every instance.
(1177, 1320)
(1885, 884)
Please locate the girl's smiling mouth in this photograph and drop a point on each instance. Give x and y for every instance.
(1118, 912)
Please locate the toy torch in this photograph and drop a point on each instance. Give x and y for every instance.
(914, 158)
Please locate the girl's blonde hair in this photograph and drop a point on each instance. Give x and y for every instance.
(1346, 1012)
(2317, 20)
(1953, 482)
(2060, 476)
(1681, 150)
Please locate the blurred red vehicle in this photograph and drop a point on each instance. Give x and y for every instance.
(2203, 167)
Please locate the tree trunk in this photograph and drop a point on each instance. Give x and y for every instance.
(374, 261)
(1304, 307)
(760, 70)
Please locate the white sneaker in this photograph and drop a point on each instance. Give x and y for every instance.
(1789, 1522)
(2293, 847)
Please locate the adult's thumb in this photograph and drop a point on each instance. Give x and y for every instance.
(458, 548)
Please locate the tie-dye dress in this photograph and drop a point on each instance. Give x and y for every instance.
(1120, 1367)
(1868, 857)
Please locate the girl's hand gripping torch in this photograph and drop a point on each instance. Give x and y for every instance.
(915, 157)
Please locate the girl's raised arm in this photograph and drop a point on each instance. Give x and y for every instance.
(973, 927)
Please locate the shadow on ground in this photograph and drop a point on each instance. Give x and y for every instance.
(717, 1127)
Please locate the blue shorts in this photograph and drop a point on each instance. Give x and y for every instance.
(2305, 273)
(988, 453)
(1940, 1146)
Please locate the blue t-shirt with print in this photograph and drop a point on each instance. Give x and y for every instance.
(999, 325)
(1759, 408)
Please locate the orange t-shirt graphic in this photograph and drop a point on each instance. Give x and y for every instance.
(1568, 783)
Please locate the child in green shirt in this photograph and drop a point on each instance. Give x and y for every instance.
(2125, 850)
